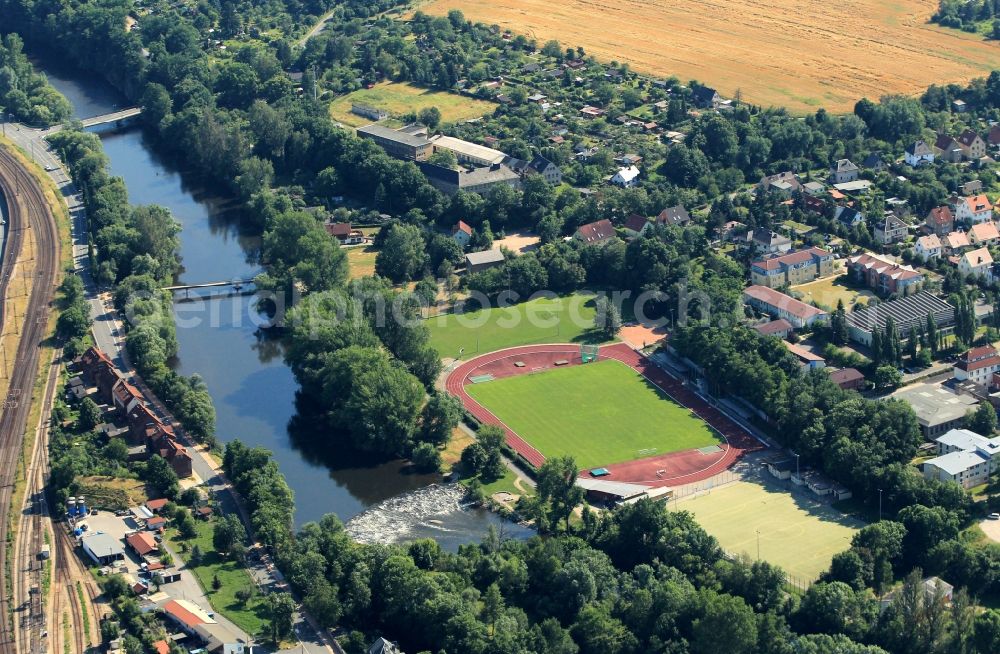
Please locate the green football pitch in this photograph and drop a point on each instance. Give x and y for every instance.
(797, 532)
(567, 319)
(599, 413)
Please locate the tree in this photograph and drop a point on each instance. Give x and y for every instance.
(196, 557)
(216, 582)
(244, 595)
(90, 415)
(227, 532)
(426, 457)
(403, 255)
(439, 417)
(558, 493)
(429, 116)
(726, 624)
(887, 377)
(986, 632)
(607, 319)
(280, 609)
(443, 158)
(161, 477)
(983, 420)
(323, 604)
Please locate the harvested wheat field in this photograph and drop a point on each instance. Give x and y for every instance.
(800, 54)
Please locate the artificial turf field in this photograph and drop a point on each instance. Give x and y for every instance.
(567, 319)
(796, 532)
(599, 413)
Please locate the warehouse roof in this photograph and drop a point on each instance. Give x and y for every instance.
(912, 310)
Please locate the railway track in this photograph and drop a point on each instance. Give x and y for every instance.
(27, 209)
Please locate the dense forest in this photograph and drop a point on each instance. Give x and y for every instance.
(24, 94)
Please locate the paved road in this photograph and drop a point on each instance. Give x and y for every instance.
(109, 337)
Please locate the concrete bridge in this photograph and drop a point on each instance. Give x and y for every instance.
(113, 117)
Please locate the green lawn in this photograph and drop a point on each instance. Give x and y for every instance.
(600, 413)
(399, 98)
(797, 532)
(251, 617)
(566, 319)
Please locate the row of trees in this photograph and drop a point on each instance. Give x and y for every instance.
(24, 94)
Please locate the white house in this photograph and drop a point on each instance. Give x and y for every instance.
(978, 364)
(843, 171)
(891, 229)
(975, 262)
(462, 233)
(964, 457)
(919, 153)
(972, 209)
(626, 177)
(928, 247)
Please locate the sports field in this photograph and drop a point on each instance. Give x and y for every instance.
(566, 319)
(800, 54)
(797, 533)
(600, 413)
(399, 98)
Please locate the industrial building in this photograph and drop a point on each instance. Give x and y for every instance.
(906, 312)
(938, 409)
(466, 152)
(398, 143)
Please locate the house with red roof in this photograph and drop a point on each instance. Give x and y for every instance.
(984, 234)
(636, 225)
(778, 305)
(780, 328)
(848, 379)
(940, 220)
(595, 233)
(155, 506)
(142, 543)
(796, 267)
(972, 209)
(978, 364)
(462, 233)
(884, 275)
(125, 397)
(97, 369)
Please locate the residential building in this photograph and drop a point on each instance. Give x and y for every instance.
(785, 183)
(973, 146)
(548, 170)
(476, 180)
(778, 305)
(848, 216)
(103, 548)
(984, 234)
(918, 153)
(706, 97)
(186, 615)
(848, 378)
(770, 242)
(813, 189)
(874, 162)
(466, 152)
(906, 312)
(462, 233)
(978, 365)
(636, 225)
(975, 263)
(345, 233)
(940, 220)
(928, 247)
(595, 233)
(780, 328)
(793, 268)
(843, 171)
(883, 275)
(972, 209)
(383, 646)
(626, 177)
(948, 148)
(592, 112)
(955, 242)
(964, 457)
(477, 261)
(971, 187)
(397, 143)
(938, 409)
(673, 217)
(890, 229)
(220, 639)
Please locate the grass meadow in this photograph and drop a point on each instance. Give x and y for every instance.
(600, 413)
(400, 98)
(566, 319)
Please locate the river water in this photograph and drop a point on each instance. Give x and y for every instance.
(244, 370)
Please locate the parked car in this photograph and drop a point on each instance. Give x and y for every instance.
(993, 516)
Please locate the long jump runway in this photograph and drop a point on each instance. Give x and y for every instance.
(664, 470)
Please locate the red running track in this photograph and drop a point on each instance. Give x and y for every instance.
(668, 469)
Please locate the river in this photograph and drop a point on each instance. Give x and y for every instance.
(252, 388)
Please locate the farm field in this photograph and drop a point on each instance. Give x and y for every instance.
(566, 319)
(783, 53)
(400, 98)
(796, 532)
(600, 413)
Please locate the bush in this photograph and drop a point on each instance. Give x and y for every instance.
(426, 457)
